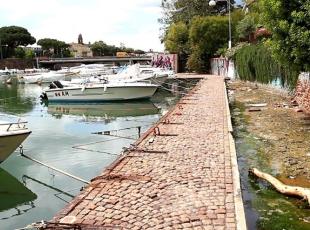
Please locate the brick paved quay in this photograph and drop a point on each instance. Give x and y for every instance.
(181, 174)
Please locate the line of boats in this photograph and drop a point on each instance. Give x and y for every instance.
(88, 83)
(132, 83)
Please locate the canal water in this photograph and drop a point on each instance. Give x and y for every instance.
(63, 137)
(265, 208)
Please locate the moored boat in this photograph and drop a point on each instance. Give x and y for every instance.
(95, 92)
(11, 136)
(45, 77)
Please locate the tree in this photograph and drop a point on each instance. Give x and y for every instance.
(19, 52)
(176, 40)
(99, 48)
(14, 36)
(246, 28)
(197, 31)
(206, 36)
(139, 52)
(185, 10)
(288, 22)
(29, 54)
(53, 47)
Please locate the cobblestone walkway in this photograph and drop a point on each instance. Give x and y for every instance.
(179, 175)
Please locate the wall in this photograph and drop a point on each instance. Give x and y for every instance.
(80, 50)
(169, 61)
(15, 63)
(223, 67)
(219, 66)
(302, 94)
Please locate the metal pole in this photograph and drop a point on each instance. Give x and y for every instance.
(229, 15)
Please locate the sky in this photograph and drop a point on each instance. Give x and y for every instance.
(131, 22)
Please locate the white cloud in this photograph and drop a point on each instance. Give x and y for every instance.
(133, 22)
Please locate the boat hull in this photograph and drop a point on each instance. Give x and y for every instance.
(96, 94)
(9, 143)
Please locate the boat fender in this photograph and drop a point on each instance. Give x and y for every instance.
(105, 88)
(83, 88)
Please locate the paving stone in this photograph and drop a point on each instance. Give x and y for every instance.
(189, 187)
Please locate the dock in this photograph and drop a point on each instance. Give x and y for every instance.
(181, 174)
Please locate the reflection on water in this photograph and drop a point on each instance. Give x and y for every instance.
(12, 100)
(104, 110)
(14, 194)
(65, 136)
(25, 178)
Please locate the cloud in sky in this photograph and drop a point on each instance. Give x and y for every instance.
(132, 22)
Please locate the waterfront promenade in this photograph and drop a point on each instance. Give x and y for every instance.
(181, 174)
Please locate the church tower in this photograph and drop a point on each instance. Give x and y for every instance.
(80, 39)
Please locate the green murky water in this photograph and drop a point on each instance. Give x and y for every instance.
(265, 208)
(62, 137)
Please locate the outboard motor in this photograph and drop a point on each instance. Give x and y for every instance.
(43, 96)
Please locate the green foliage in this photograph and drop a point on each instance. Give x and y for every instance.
(255, 63)
(185, 10)
(289, 24)
(246, 27)
(231, 53)
(29, 54)
(196, 63)
(14, 36)
(176, 40)
(100, 48)
(19, 52)
(206, 36)
(139, 51)
(58, 47)
(201, 38)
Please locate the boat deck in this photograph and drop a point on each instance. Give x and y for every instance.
(181, 174)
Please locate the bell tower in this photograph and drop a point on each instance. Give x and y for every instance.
(80, 39)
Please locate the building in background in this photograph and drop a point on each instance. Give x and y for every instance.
(80, 49)
(37, 49)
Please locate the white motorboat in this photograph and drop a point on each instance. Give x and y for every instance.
(94, 92)
(11, 136)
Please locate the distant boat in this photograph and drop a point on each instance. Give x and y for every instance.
(91, 70)
(11, 136)
(96, 92)
(45, 77)
(133, 73)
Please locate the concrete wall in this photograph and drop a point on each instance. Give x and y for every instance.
(223, 67)
(219, 66)
(302, 95)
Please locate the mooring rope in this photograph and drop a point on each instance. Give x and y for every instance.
(81, 147)
(55, 169)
